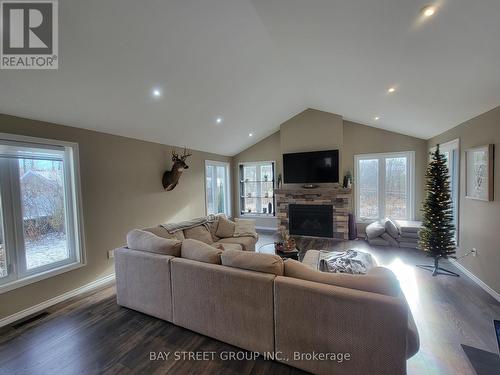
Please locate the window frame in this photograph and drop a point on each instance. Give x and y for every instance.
(228, 197)
(410, 180)
(19, 275)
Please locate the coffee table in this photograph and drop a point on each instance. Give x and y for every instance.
(269, 248)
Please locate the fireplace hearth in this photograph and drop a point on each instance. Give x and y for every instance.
(311, 220)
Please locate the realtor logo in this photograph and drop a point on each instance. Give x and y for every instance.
(29, 34)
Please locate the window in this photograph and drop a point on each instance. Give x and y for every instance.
(257, 188)
(217, 185)
(384, 186)
(39, 216)
(452, 154)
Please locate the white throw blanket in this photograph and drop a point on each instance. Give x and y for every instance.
(350, 261)
(188, 224)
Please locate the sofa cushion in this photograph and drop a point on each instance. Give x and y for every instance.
(200, 233)
(267, 263)
(390, 239)
(391, 228)
(162, 232)
(247, 243)
(146, 241)
(212, 228)
(228, 246)
(244, 227)
(374, 230)
(200, 251)
(225, 228)
(374, 281)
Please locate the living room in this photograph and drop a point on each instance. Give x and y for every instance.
(249, 187)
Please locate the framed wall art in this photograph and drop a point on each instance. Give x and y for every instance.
(479, 169)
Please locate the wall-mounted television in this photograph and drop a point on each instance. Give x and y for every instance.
(311, 167)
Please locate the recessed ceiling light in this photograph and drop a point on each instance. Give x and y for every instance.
(156, 93)
(391, 90)
(429, 10)
(250, 134)
(376, 118)
(218, 120)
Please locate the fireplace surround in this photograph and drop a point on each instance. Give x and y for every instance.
(337, 198)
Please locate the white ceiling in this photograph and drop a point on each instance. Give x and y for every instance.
(257, 63)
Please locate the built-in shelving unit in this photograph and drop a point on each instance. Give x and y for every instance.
(256, 189)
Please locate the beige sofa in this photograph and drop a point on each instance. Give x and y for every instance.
(260, 303)
(208, 235)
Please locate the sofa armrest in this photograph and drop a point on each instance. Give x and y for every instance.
(318, 318)
(311, 259)
(247, 242)
(143, 282)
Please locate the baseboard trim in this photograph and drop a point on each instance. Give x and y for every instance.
(476, 279)
(53, 301)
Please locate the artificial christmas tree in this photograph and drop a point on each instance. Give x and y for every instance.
(437, 233)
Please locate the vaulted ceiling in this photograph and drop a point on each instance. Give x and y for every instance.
(256, 63)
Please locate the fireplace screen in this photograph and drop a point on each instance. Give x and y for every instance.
(311, 220)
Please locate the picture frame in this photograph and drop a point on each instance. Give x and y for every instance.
(479, 173)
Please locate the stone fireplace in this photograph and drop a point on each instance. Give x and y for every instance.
(320, 212)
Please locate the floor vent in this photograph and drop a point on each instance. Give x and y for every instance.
(31, 319)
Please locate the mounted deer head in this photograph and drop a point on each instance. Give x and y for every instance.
(171, 178)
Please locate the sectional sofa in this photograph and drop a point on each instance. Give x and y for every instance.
(209, 234)
(262, 304)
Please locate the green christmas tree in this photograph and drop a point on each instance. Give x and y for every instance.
(437, 233)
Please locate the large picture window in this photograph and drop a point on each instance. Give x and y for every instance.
(40, 226)
(217, 185)
(384, 186)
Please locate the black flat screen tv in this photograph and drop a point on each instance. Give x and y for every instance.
(311, 167)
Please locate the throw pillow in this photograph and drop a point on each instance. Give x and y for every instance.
(391, 228)
(248, 260)
(145, 241)
(200, 233)
(374, 230)
(212, 228)
(225, 228)
(200, 251)
(244, 227)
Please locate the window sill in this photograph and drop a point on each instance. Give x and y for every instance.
(257, 215)
(39, 277)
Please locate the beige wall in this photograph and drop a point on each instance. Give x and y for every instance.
(312, 130)
(121, 190)
(478, 221)
(362, 139)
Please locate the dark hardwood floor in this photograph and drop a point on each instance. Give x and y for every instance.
(92, 335)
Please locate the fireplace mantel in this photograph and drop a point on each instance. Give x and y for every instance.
(338, 197)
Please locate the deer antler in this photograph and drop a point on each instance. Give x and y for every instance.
(185, 154)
